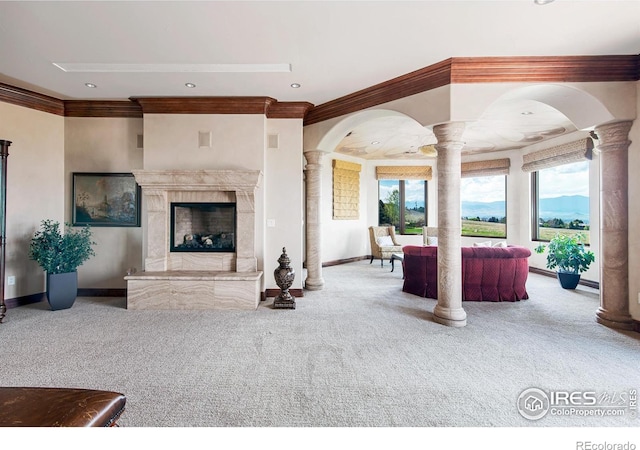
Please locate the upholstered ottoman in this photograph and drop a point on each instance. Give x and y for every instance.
(59, 407)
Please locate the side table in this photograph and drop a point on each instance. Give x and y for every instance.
(396, 257)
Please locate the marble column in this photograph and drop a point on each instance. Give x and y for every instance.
(313, 180)
(613, 148)
(449, 310)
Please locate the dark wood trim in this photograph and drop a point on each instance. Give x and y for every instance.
(636, 325)
(345, 261)
(288, 110)
(552, 274)
(275, 292)
(28, 99)
(421, 80)
(204, 105)
(545, 69)
(25, 300)
(93, 108)
(102, 292)
(483, 70)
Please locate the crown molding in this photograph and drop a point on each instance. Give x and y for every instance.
(288, 110)
(204, 105)
(539, 69)
(29, 99)
(102, 108)
(421, 80)
(484, 70)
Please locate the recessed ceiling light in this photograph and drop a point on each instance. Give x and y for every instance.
(542, 2)
(90, 85)
(375, 142)
(295, 85)
(190, 85)
(526, 113)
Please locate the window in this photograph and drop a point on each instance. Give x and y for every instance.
(403, 203)
(484, 206)
(561, 201)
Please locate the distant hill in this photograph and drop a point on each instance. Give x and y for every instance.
(567, 208)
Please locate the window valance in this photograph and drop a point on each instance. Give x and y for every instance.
(486, 168)
(346, 190)
(560, 154)
(404, 173)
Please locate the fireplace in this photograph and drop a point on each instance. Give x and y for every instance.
(203, 227)
(200, 241)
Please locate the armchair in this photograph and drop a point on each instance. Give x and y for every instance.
(383, 243)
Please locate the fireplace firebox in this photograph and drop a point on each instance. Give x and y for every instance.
(203, 227)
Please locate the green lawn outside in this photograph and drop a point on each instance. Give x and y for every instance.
(483, 229)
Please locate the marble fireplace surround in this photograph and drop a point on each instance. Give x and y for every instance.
(196, 280)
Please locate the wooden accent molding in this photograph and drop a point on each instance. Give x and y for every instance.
(288, 110)
(28, 99)
(25, 300)
(345, 261)
(204, 105)
(93, 108)
(552, 274)
(421, 80)
(275, 292)
(545, 69)
(483, 70)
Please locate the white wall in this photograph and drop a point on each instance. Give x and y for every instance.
(104, 145)
(284, 204)
(35, 188)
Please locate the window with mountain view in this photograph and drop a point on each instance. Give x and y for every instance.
(561, 201)
(403, 203)
(484, 206)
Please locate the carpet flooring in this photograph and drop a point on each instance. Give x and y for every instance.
(359, 353)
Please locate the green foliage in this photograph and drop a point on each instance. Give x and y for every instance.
(567, 253)
(60, 253)
(392, 206)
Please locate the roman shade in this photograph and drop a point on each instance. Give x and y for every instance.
(558, 155)
(486, 168)
(404, 173)
(346, 190)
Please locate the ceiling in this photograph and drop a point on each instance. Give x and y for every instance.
(332, 48)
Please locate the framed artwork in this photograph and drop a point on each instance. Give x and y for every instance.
(105, 200)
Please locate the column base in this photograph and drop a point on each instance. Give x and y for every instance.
(616, 321)
(450, 317)
(314, 284)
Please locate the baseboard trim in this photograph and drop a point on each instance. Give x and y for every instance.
(345, 261)
(275, 292)
(25, 300)
(102, 292)
(552, 274)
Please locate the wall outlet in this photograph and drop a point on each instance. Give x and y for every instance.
(11, 281)
(638, 298)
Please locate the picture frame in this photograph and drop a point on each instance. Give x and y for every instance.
(105, 200)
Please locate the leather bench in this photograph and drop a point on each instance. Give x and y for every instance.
(59, 407)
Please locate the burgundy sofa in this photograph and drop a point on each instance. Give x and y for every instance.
(493, 274)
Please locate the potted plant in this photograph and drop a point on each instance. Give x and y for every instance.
(568, 254)
(60, 255)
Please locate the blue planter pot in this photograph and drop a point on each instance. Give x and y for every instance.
(62, 290)
(568, 280)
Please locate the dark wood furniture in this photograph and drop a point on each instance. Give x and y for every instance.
(59, 407)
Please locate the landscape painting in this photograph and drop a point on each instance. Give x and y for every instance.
(106, 199)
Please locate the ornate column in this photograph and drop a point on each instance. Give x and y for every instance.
(613, 148)
(313, 173)
(449, 310)
(4, 153)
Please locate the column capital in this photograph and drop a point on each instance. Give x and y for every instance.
(612, 135)
(450, 132)
(314, 156)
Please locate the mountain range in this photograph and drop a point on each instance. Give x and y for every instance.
(566, 207)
